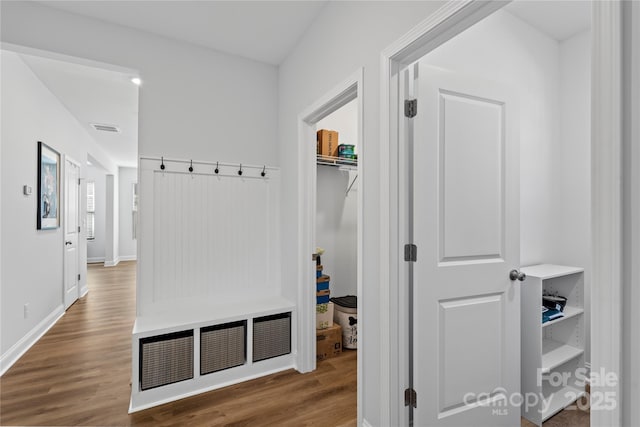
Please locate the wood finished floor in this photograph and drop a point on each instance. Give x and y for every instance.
(78, 375)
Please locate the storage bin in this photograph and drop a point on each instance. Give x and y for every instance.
(345, 314)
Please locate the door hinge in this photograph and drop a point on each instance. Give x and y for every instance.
(410, 398)
(78, 229)
(410, 253)
(78, 277)
(410, 107)
(78, 181)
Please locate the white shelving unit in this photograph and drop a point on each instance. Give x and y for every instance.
(552, 352)
(347, 164)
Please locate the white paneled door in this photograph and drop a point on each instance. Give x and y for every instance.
(71, 231)
(466, 309)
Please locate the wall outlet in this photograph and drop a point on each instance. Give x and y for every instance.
(26, 310)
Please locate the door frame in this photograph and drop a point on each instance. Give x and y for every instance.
(69, 159)
(348, 90)
(606, 141)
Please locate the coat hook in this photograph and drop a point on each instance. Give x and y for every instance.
(191, 166)
(216, 170)
(162, 163)
(240, 171)
(264, 171)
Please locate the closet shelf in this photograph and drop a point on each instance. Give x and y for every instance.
(569, 312)
(560, 400)
(340, 162)
(555, 353)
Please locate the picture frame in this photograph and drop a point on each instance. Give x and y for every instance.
(48, 187)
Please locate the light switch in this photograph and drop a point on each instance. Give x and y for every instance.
(26, 190)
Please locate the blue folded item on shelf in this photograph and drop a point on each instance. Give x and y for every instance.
(549, 314)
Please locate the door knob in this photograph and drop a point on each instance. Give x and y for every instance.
(67, 243)
(517, 275)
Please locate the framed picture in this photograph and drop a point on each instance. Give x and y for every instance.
(48, 187)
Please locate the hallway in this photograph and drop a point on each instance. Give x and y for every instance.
(78, 375)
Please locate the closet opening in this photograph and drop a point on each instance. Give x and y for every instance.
(330, 245)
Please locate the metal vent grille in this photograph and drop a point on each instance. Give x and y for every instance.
(105, 128)
(222, 346)
(271, 336)
(166, 359)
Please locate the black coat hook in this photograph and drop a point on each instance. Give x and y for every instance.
(162, 163)
(264, 171)
(191, 166)
(240, 171)
(216, 170)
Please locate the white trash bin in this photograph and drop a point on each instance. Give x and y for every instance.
(345, 314)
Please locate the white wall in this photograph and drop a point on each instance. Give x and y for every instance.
(347, 35)
(95, 247)
(572, 169)
(194, 103)
(111, 224)
(127, 244)
(31, 259)
(345, 121)
(337, 210)
(336, 228)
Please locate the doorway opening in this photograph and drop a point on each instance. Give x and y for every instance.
(330, 214)
(427, 39)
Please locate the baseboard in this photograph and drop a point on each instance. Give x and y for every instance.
(365, 423)
(95, 260)
(112, 263)
(84, 290)
(128, 258)
(25, 343)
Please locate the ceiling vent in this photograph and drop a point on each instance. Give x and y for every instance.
(105, 128)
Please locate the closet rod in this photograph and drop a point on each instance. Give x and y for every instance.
(207, 163)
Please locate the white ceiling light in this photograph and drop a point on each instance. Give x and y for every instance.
(136, 81)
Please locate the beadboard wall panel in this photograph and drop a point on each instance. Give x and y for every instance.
(214, 238)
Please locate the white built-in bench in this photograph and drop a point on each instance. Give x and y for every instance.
(235, 342)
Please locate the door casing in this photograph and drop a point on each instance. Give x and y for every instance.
(348, 90)
(450, 20)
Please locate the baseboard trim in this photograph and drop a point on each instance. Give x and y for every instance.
(161, 401)
(84, 291)
(365, 423)
(128, 258)
(112, 263)
(95, 260)
(25, 343)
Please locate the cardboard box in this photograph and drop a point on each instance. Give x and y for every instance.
(324, 315)
(328, 342)
(327, 142)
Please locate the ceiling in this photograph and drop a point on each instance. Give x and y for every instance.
(558, 19)
(264, 30)
(94, 95)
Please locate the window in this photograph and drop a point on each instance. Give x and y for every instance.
(91, 210)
